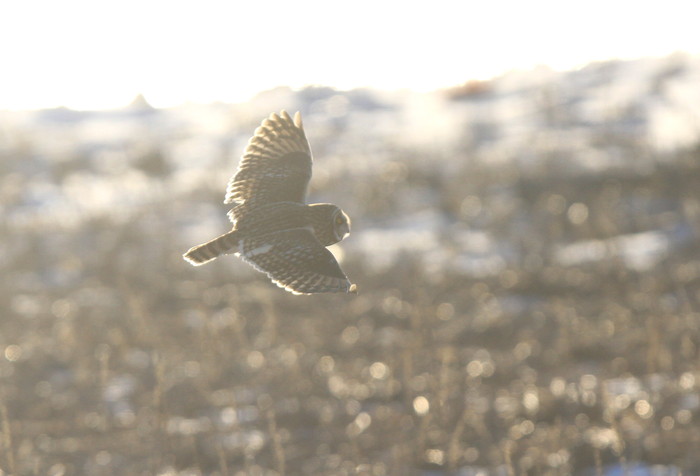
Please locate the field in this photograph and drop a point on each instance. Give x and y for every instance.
(527, 253)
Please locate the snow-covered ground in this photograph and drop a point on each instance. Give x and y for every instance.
(62, 166)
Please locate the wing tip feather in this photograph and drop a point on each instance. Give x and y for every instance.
(296, 121)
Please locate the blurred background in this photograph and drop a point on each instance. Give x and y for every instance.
(523, 186)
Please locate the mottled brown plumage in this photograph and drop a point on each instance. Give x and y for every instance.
(273, 228)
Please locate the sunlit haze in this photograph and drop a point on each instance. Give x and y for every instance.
(91, 55)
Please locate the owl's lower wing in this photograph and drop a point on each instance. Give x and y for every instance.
(276, 164)
(296, 261)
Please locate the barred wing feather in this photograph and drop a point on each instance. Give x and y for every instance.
(296, 261)
(275, 167)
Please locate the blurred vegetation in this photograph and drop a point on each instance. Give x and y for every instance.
(576, 350)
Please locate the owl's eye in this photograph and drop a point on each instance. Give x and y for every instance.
(339, 220)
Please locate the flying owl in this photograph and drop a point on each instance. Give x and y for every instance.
(274, 229)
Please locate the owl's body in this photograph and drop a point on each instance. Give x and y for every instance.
(273, 229)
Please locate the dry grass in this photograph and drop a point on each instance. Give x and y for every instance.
(119, 358)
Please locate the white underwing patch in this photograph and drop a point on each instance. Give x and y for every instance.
(258, 251)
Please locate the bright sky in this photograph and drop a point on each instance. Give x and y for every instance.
(90, 54)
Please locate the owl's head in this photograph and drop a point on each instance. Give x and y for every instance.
(341, 224)
(330, 223)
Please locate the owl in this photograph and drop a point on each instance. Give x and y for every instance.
(274, 229)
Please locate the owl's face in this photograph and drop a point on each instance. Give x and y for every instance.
(329, 222)
(341, 225)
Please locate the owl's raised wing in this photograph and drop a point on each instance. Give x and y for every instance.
(296, 261)
(276, 164)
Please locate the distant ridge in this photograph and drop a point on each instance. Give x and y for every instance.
(140, 103)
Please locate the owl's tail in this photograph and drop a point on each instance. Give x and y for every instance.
(224, 244)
